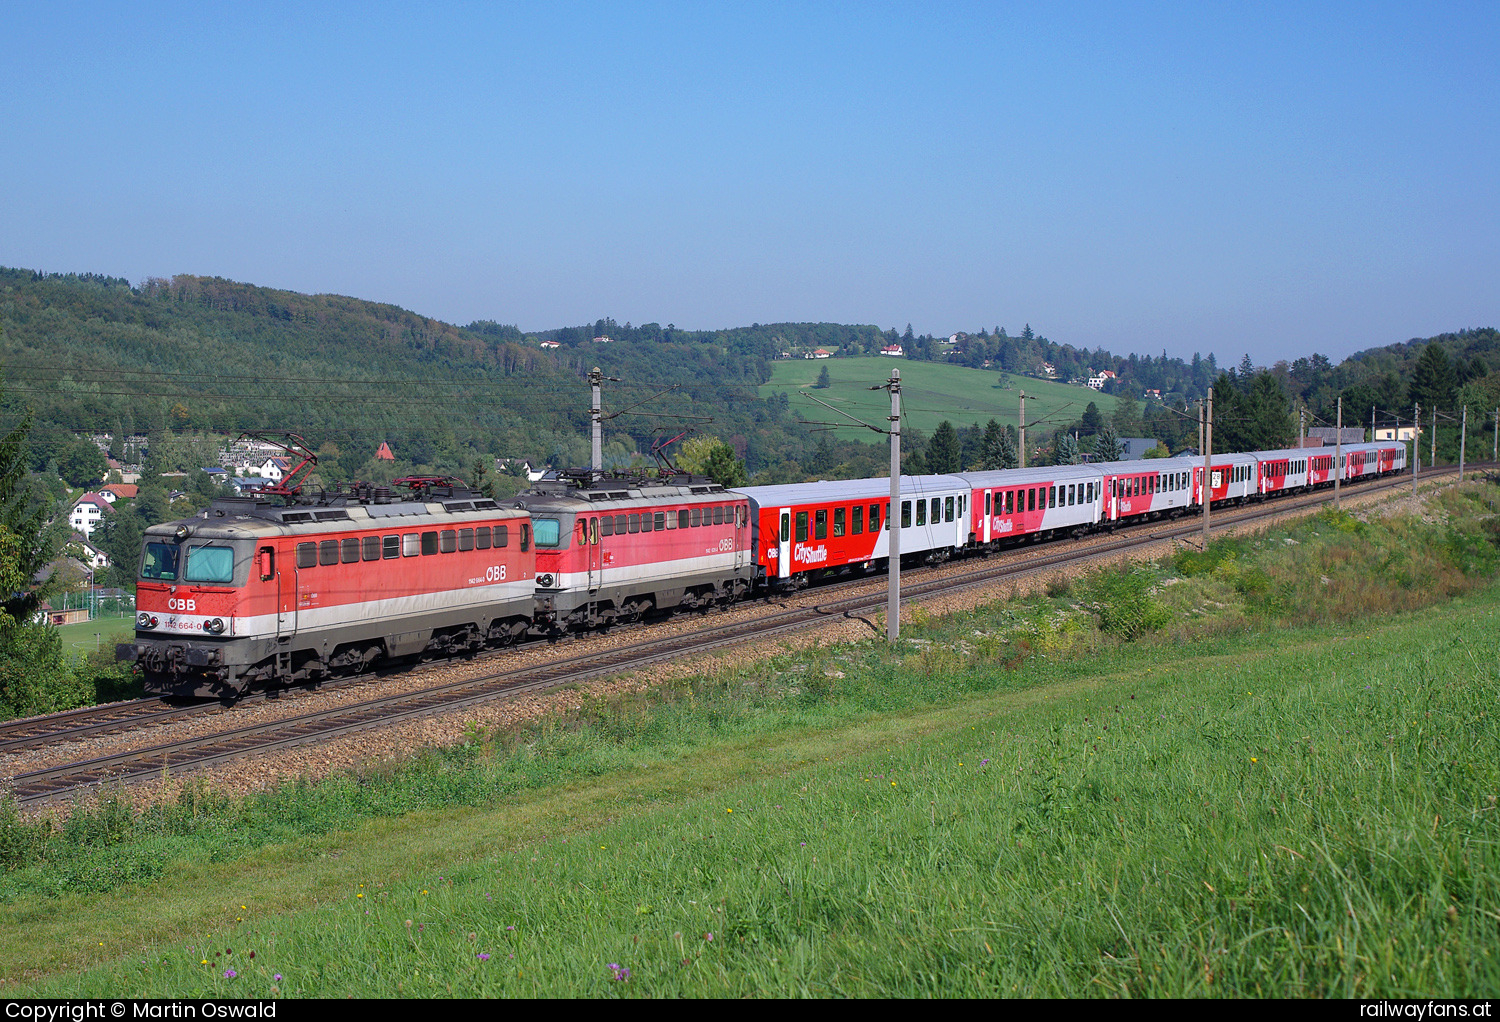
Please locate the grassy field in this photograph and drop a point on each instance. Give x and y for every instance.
(1065, 796)
(930, 393)
(101, 633)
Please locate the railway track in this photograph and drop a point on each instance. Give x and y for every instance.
(300, 729)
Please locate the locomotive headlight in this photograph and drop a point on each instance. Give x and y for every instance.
(216, 626)
(181, 532)
(545, 581)
(144, 620)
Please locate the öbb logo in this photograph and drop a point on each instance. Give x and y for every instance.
(176, 604)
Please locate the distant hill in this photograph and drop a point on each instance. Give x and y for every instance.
(203, 356)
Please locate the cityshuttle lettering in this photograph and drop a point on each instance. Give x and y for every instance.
(810, 555)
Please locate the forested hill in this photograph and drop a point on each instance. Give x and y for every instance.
(195, 355)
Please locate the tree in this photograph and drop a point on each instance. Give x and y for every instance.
(943, 453)
(23, 518)
(972, 450)
(990, 448)
(1092, 422)
(823, 381)
(1066, 449)
(1127, 415)
(1107, 445)
(709, 456)
(1433, 381)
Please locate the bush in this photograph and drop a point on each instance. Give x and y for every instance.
(1124, 598)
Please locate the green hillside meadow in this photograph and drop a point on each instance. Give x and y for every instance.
(931, 392)
(1264, 769)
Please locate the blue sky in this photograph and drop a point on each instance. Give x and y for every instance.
(1262, 178)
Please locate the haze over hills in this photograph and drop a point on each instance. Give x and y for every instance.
(93, 354)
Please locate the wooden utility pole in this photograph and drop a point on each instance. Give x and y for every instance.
(893, 516)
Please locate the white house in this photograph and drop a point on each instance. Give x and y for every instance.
(893, 350)
(88, 512)
(1097, 381)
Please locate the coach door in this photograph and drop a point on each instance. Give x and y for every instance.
(784, 555)
(989, 497)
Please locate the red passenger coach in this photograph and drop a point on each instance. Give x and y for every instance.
(250, 593)
(1147, 488)
(805, 530)
(613, 549)
(1032, 503)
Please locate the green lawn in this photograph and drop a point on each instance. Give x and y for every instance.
(930, 393)
(101, 633)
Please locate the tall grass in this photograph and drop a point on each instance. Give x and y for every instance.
(1018, 801)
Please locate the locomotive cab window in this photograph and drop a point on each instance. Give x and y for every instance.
(548, 532)
(209, 564)
(160, 562)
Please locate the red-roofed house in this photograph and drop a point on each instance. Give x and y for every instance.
(384, 454)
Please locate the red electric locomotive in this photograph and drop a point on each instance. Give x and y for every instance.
(251, 593)
(613, 549)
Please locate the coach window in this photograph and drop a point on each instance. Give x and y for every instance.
(801, 526)
(328, 551)
(921, 512)
(948, 509)
(937, 510)
(838, 521)
(857, 526)
(1031, 499)
(411, 544)
(502, 536)
(820, 524)
(349, 550)
(482, 538)
(988, 509)
(447, 541)
(684, 519)
(906, 514)
(371, 548)
(786, 529)
(548, 532)
(390, 547)
(466, 539)
(430, 542)
(1009, 502)
(1052, 496)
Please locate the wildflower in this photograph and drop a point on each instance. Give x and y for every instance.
(277, 977)
(621, 972)
(483, 956)
(510, 927)
(359, 895)
(708, 937)
(230, 974)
